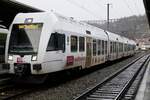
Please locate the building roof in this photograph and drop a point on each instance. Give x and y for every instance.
(9, 8)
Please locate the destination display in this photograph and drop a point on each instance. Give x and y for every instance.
(29, 26)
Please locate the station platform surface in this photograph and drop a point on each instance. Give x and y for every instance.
(2, 71)
(144, 90)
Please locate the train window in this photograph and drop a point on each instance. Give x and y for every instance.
(111, 47)
(74, 44)
(94, 47)
(116, 44)
(99, 47)
(124, 47)
(103, 47)
(130, 47)
(119, 47)
(115, 48)
(127, 47)
(51, 43)
(81, 44)
(67, 40)
(61, 42)
(56, 42)
(133, 47)
(25, 38)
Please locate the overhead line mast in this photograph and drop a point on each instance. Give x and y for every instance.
(108, 15)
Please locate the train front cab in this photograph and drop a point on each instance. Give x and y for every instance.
(24, 47)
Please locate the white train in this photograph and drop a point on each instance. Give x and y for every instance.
(42, 43)
(3, 36)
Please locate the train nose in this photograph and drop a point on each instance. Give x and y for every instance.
(22, 69)
(19, 68)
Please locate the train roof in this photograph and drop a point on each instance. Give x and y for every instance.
(132, 42)
(82, 27)
(118, 38)
(9, 9)
(64, 24)
(128, 41)
(115, 37)
(69, 24)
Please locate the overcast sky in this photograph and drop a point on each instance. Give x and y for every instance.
(90, 9)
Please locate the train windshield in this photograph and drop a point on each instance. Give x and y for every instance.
(25, 38)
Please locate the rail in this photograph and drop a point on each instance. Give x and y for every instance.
(116, 85)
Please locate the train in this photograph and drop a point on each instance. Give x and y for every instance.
(46, 42)
(3, 36)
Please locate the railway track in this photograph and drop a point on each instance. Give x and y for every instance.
(8, 92)
(11, 91)
(121, 85)
(6, 80)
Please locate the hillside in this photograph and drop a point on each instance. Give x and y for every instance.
(133, 27)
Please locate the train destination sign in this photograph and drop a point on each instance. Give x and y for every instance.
(29, 26)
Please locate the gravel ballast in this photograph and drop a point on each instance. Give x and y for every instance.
(73, 88)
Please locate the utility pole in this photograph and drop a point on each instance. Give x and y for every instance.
(108, 15)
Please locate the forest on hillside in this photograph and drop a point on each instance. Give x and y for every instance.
(133, 27)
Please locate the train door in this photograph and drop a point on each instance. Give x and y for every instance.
(88, 51)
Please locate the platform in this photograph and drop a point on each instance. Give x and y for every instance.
(144, 90)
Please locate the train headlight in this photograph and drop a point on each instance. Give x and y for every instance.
(34, 57)
(10, 57)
